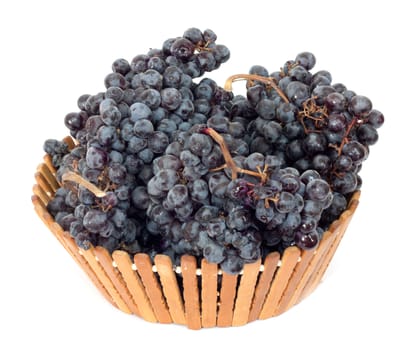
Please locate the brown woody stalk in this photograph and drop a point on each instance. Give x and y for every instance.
(229, 161)
(268, 81)
(74, 177)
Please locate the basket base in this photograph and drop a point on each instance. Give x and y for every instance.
(196, 296)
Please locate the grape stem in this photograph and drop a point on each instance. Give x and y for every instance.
(250, 77)
(314, 112)
(229, 161)
(74, 177)
(354, 121)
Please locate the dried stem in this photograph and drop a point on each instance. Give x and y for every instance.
(229, 161)
(314, 112)
(74, 177)
(269, 81)
(347, 133)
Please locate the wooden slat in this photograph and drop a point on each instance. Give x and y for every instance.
(245, 293)
(43, 183)
(70, 142)
(208, 294)
(73, 249)
(263, 285)
(89, 255)
(339, 232)
(62, 236)
(49, 163)
(171, 289)
(312, 266)
(309, 285)
(306, 257)
(152, 287)
(191, 293)
(50, 178)
(47, 219)
(134, 285)
(346, 219)
(42, 197)
(106, 262)
(227, 297)
(288, 262)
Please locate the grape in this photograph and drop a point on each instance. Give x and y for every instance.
(151, 79)
(121, 66)
(238, 219)
(84, 240)
(53, 147)
(170, 98)
(335, 102)
(95, 221)
(360, 105)
(272, 131)
(375, 118)
(178, 196)
(96, 158)
(206, 213)
(263, 213)
(182, 48)
(307, 240)
(321, 163)
(75, 121)
(117, 173)
(143, 128)
(355, 150)
(255, 160)
(307, 224)
(336, 122)
(285, 202)
(194, 35)
(317, 190)
(214, 252)
(290, 183)
(199, 190)
(136, 144)
(151, 98)
(314, 143)
(344, 183)
(312, 208)
(321, 78)
(165, 179)
(286, 112)
(233, 263)
(367, 134)
(218, 183)
(306, 59)
(158, 142)
(191, 230)
(297, 92)
(138, 111)
(266, 108)
(106, 135)
(200, 144)
(160, 215)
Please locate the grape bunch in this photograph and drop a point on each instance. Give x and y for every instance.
(168, 162)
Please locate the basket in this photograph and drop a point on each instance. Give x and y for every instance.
(196, 295)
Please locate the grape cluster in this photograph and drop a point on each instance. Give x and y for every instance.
(166, 161)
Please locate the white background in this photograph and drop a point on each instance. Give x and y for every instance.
(54, 51)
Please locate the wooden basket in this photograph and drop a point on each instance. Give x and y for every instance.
(196, 295)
